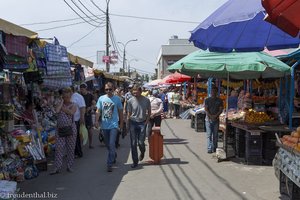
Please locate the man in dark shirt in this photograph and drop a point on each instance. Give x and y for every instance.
(88, 98)
(213, 109)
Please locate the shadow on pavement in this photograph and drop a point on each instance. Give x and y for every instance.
(90, 180)
(173, 141)
(205, 163)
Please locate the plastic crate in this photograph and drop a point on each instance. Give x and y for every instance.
(288, 187)
(200, 122)
(193, 122)
(240, 143)
(253, 147)
(41, 165)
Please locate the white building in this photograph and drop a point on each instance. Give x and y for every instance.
(172, 52)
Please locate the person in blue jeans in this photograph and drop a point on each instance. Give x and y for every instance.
(213, 109)
(110, 108)
(138, 115)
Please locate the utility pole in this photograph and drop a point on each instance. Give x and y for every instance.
(124, 60)
(107, 37)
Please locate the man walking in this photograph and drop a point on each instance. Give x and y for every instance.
(139, 112)
(110, 108)
(213, 109)
(79, 119)
(88, 98)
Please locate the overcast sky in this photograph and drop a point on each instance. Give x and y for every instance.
(150, 34)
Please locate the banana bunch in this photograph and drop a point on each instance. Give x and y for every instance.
(232, 84)
(265, 86)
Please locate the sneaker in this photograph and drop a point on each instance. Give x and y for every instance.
(141, 156)
(209, 151)
(134, 165)
(109, 169)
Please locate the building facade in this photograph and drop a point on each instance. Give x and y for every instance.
(171, 53)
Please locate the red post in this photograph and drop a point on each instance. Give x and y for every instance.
(156, 145)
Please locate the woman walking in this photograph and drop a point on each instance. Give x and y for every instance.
(65, 110)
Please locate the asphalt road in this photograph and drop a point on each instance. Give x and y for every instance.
(186, 172)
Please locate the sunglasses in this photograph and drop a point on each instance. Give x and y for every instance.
(108, 89)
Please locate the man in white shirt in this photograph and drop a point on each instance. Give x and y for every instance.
(78, 118)
(156, 111)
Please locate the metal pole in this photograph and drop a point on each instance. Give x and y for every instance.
(107, 37)
(124, 54)
(292, 94)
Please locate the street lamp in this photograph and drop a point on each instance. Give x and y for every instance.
(129, 65)
(124, 52)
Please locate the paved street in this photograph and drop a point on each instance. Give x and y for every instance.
(186, 172)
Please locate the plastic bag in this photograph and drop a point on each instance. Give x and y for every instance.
(84, 134)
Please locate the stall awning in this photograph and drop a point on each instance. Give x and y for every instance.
(81, 61)
(10, 28)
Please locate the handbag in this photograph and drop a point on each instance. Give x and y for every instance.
(65, 127)
(65, 131)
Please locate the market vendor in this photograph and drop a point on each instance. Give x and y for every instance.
(28, 116)
(233, 100)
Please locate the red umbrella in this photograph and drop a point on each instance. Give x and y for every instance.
(284, 14)
(176, 78)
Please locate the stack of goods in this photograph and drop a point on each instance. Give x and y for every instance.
(253, 117)
(58, 72)
(30, 144)
(288, 158)
(201, 97)
(292, 141)
(12, 168)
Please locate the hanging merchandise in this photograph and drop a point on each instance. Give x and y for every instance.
(58, 71)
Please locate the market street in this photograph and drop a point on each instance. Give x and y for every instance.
(186, 172)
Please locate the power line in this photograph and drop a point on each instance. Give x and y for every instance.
(141, 59)
(78, 13)
(155, 19)
(117, 15)
(63, 26)
(97, 6)
(89, 10)
(113, 39)
(56, 21)
(84, 12)
(82, 37)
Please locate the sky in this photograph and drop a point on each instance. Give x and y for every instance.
(85, 40)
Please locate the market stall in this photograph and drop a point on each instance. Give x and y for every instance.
(245, 130)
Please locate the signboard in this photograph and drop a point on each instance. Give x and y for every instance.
(100, 55)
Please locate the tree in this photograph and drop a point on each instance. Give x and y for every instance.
(147, 78)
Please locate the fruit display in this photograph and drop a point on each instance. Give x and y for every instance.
(253, 117)
(292, 140)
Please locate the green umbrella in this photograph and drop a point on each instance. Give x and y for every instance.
(242, 65)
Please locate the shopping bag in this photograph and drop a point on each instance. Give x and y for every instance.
(84, 134)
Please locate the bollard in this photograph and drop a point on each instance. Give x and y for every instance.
(156, 145)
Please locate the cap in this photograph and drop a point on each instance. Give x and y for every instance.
(154, 92)
(83, 85)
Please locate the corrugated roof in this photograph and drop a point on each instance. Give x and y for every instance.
(10, 28)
